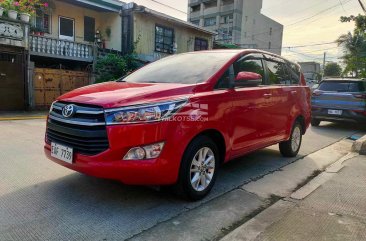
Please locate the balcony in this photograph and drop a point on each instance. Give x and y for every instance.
(63, 49)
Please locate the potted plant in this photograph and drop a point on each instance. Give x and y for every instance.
(12, 8)
(2, 5)
(28, 8)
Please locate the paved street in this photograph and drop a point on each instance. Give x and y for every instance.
(40, 200)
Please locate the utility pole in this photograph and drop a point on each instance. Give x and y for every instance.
(324, 61)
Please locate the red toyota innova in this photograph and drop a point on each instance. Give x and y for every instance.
(175, 121)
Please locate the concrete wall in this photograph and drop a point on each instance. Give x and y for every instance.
(144, 29)
(102, 21)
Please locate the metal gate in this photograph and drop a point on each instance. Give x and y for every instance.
(12, 81)
(48, 84)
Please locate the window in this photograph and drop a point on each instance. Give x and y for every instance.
(89, 29)
(196, 22)
(338, 86)
(66, 28)
(294, 72)
(269, 45)
(195, 8)
(200, 44)
(224, 81)
(43, 21)
(227, 19)
(249, 65)
(277, 73)
(210, 21)
(270, 31)
(164, 39)
(188, 68)
(246, 18)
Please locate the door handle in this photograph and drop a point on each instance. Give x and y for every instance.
(2, 74)
(267, 96)
(294, 92)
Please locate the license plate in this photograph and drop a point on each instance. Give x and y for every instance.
(335, 112)
(61, 152)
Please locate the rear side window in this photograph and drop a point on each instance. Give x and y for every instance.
(342, 86)
(277, 73)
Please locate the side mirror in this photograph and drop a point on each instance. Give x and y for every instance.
(248, 79)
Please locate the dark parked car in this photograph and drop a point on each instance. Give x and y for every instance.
(339, 100)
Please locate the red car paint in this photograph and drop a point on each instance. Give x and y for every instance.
(247, 119)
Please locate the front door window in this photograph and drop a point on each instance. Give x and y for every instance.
(66, 28)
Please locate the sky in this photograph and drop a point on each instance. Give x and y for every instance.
(306, 22)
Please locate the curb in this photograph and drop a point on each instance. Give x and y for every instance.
(359, 146)
(22, 118)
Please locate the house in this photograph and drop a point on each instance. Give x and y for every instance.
(64, 43)
(57, 51)
(13, 61)
(238, 23)
(154, 35)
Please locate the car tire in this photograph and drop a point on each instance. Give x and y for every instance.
(315, 122)
(198, 174)
(291, 147)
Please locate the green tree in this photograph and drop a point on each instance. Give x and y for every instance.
(354, 45)
(332, 69)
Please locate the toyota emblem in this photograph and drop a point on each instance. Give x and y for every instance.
(68, 111)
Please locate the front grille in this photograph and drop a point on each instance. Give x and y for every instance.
(85, 131)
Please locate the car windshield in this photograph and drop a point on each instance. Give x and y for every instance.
(188, 68)
(342, 86)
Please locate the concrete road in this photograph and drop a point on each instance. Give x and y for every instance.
(40, 200)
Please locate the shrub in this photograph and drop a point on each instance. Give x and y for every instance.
(112, 67)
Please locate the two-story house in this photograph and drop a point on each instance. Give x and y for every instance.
(64, 44)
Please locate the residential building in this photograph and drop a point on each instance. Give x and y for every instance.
(56, 51)
(238, 22)
(64, 43)
(155, 35)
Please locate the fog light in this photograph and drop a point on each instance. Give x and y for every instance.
(136, 153)
(153, 151)
(145, 152)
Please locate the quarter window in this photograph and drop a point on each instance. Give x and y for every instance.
(164, 39)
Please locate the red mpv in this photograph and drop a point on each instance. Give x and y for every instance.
(175, 121)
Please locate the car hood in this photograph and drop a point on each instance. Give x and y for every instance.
(118, 94)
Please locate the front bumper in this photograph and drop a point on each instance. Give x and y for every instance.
(109, 164)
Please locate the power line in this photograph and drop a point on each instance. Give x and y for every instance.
(307, 18)
(168, 6)
(362, 6)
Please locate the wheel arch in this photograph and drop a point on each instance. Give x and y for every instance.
(219, 140)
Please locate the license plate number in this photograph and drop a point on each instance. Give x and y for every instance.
(62, 153)
(335, 112)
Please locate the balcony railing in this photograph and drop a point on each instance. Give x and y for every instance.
(56, 48)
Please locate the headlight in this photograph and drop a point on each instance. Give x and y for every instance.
(51, 108)
(144, 113)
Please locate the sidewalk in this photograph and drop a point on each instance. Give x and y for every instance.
(334, 211)
(22, 115)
